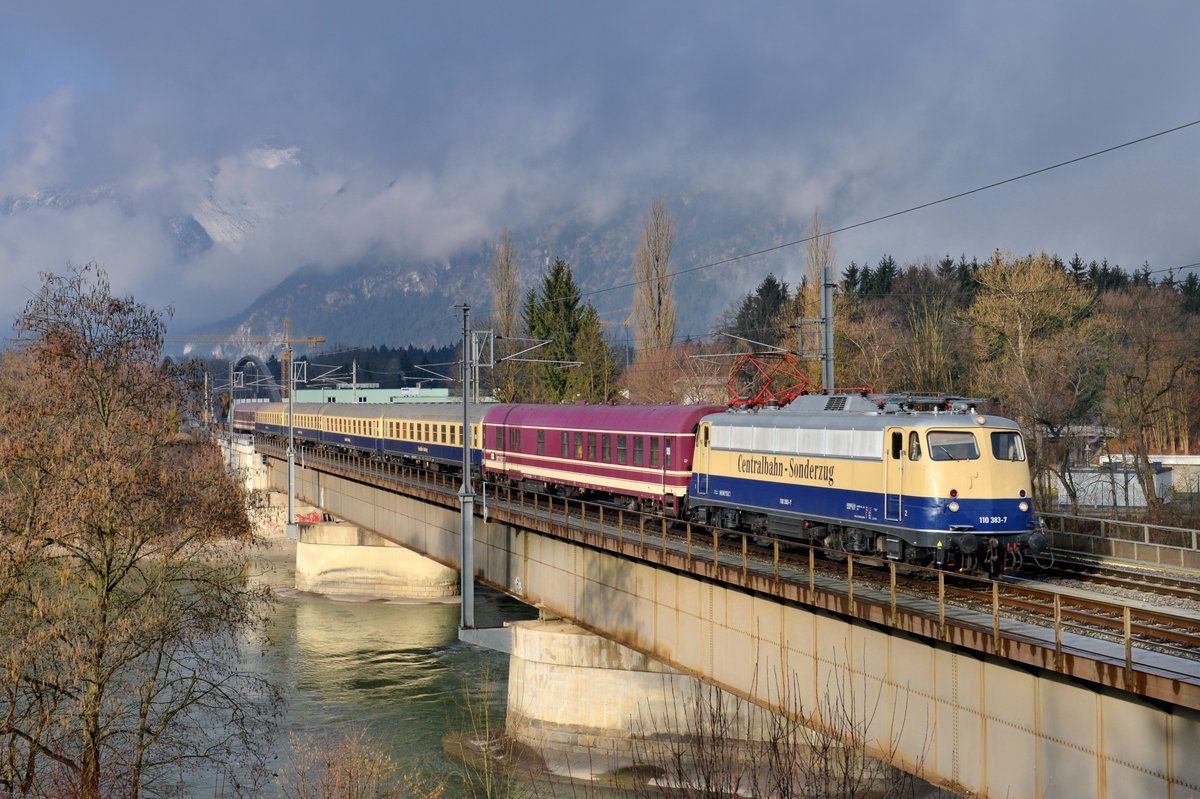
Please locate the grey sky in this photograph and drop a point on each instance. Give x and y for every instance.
(306, 132)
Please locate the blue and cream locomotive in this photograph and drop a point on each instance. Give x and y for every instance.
(865, 475)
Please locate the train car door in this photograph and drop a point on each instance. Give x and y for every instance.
(702, 460)
(893, 475)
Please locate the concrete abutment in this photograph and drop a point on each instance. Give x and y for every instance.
(339, 559)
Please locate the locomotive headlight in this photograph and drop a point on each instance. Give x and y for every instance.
(1024, 506)
(953, 506)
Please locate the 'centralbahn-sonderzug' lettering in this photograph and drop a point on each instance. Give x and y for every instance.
(793, 468)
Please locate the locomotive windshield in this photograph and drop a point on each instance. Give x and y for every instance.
(952, 445)
(1008, 447)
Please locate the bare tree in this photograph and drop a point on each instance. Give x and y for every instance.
(1022, 320)
(125, 602)
(506, 317)
(347, 765)
(868, 345)
(680, 374)
(654, 299)
(1151, 348)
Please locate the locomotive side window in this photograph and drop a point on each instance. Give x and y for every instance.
(1008, 447)
(952, 445)
(897, 445)
(914, 446)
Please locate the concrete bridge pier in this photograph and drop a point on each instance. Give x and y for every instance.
(339, 559)
(595, 710)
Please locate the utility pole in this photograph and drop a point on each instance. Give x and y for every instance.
(229, 414)
(814, 337)
(292, 531)
(827, 284)
(466, 494)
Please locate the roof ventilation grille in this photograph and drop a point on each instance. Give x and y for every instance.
(835, 403)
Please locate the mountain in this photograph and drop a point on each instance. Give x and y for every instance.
(387, 299)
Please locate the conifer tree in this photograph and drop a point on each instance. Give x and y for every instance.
(553, 311)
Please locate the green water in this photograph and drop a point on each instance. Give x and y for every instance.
(395, 671)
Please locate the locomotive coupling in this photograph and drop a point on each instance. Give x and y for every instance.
(967, 543)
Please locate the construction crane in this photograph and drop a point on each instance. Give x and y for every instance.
(286, 341)
(628, 346)
(246, 339)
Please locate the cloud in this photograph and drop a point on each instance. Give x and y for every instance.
(301, 133)
(34, 155)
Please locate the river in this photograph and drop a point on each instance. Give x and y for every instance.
(393, 670)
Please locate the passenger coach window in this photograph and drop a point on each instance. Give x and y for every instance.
(566, 444)
(620, 449)
(591, 447)
(914, 446)
(541, 442)
(1008, 447)
(952, 445)
(499, 438)
(654, 451)
(606, 448)
(637, 451)
(579, 446)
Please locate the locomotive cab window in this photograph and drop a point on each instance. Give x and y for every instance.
(914, 446)
(897, 445)
(952, 445)
(1008, 447)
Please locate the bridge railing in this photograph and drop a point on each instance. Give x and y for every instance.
(1162, 545)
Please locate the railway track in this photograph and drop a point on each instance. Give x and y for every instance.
(1182, 590)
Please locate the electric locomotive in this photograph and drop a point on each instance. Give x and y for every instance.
(871, 476)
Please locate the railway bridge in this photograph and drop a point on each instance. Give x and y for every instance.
(979, 687)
